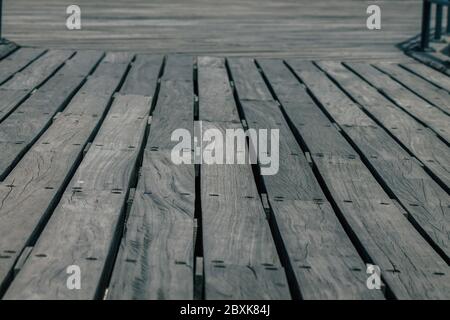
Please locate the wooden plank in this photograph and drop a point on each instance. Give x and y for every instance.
(384, 234)
(408, 101)
(320, 253)
(238, 282)
(303, 112)
(236, 234)
(435, 77)
(155, 260)
(175, 111)
(39, 70)
(434, 95)
(17, 61)
(10, 99)
(32, 117)
(6, 49)
(405, 178)
(218, 104)
(143, 77)
(79, 65)
(156, 256)
(416, 138)
(249, 90)
(96, 198)
(40, 177)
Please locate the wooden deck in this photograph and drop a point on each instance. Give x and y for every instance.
(87, 178)
(319, 29)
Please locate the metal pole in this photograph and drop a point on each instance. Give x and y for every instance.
(438, 28)
(426, 17)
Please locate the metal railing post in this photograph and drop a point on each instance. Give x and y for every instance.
(438, 28)
(426, 17)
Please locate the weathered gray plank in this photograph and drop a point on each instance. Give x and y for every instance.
(29, 120)
(39, 70)
(386, 235)
(239, 282)
(143, 76)
(415, 137)
(404, 177)
(320, 253)
(6, 49)
(434, 95)
(175, 111)
(325, 248)
(220, 103)
(17, 61)
(40, 176)
(10, 99)
(95, 198)
(437, 78)
(235, 229)
(419, 108)
(156, 256)
(252, 86)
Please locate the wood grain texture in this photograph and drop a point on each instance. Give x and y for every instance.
(10, 99)
(40, 176)
(156, 255)
(365, 205)
(427, 91)
(37, 73)
(143, 76)
(285, 28)
(435, 77)
(418, 139)
(408, 101)
(234, 226)
(315, 241)
(7, 49)
(33, 116)
(96, 198)
(17, 61)
(39, 70)
(218, 104)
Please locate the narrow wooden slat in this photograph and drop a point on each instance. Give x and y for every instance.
(423, 197)
(24, 82)
(404, 176)
(437, 78)
(385, 235)
(221, 102)
(6, 49)
(320, 253)
(236, 234)
(418, 139)
(29, 120)
(156, 256)
(39, 70)
(95, 198)
(143, 76)
(29, 191)
(16, 61)
(423, 111)
(438, 97)
(10, 99)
